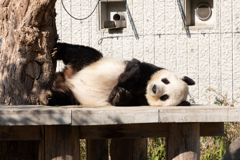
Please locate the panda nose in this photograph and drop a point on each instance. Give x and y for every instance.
(154, 89)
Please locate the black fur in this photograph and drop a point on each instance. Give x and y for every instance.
(188, 80)
(76, 57)
(60, 94)
(184, 103)
(131, 87)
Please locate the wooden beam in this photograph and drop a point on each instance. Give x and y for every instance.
(61, 143)
(129, 149)
(143, 130)
(184, 141)
(212, 129)
(97, 149)
(124, 131)
(20, 133)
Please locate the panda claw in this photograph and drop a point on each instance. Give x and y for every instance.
(54, 53)
(120, 97)
(49, 94)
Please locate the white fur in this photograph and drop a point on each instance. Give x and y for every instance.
(92, 85)
(177, 89)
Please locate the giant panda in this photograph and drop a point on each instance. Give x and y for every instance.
(90, 79)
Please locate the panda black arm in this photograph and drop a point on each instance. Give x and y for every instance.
(76, 55)
(131, 87)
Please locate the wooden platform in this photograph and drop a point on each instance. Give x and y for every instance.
(59, 128)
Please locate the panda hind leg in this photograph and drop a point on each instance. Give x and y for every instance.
(120, 97)
(76, 56)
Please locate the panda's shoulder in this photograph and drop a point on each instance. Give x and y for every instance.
(142, 68)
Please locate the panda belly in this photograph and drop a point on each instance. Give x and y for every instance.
(93, 84)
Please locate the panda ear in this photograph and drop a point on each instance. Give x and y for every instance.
(184, 103)
(188, 80)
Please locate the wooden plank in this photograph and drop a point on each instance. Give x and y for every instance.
(199, 114)
(23, 133)
(212, 129)
(129, 149)
(124, 131)
(143, 130)
(97, 149)
(114, 115)
(62, 143)
(41, 149)
(50, 143)
(74, 143)
(34, 115)
(136, 115)
(183, 141)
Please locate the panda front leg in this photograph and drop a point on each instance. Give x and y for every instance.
(120, 97)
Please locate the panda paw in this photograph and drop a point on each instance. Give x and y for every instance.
(120, 97)
(54, 52)
(49, 95)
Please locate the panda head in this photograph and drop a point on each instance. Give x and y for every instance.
(167, 89)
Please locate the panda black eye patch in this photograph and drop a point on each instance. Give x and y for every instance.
(165, 80)
(164, 97)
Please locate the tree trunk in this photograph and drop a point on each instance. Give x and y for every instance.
(28, 32)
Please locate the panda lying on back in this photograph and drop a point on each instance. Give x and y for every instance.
(93, 80)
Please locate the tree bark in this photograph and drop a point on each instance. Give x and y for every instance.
(28, 32)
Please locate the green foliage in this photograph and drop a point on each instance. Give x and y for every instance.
(156, 149)
(83, 155)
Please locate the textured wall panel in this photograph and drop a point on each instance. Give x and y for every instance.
(182, 55)
(76, 24)
(160, 50)
(128, 48)
(149, 48)
(148, 55)
(227, 65)
(106, 46)
(171, 53)
(66, 23)
(159, 28)
(170, 16)
(85, 11)
(95, 32)
(236, 15)
(226, 15)
(58, 7)
(129, 34)
(138, 18)
(117, 45)
(215, 66)
(204, 62)
(193, 68)
(236, 68)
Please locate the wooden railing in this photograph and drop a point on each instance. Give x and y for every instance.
(58, 129)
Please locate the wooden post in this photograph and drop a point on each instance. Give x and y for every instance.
(60, 143)
(183, 141)
(97, 149)
(128, 149)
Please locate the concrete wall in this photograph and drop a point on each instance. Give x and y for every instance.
(210, 57)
